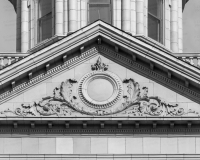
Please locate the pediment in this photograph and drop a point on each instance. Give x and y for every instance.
(143, 77)
(99, 87)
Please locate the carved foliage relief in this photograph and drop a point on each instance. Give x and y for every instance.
(100, 93)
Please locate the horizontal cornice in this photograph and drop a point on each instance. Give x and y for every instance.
(100, 126)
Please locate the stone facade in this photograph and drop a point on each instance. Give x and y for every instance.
(99, 93)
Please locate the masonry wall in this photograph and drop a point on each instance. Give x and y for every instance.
(101, 145)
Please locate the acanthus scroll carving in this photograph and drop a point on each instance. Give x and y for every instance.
(139, 104)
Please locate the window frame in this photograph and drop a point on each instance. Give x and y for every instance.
(110, 10)
(161, 22)
(39, 20)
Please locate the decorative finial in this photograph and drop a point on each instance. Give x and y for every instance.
(99, 66)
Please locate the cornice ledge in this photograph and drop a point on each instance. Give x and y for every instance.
(116, 36)
(70, 63)
(164, 58)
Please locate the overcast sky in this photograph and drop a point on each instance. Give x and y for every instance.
(191, 27)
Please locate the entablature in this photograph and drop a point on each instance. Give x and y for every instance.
(100, 125)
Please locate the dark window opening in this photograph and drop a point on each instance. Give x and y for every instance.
(45, 20)
(99, 9)
(155, 19)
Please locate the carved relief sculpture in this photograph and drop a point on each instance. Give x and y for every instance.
(65, 102)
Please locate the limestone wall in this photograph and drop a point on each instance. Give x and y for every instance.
(101, 145)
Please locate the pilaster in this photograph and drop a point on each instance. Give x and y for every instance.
(117, 14)
(167, 24)
(133, 17)
(24, 25)
(31, 25)
(78, 14)
(174, 25)
(180, 27)
(145, 17)
(18, 45)
(83, 13)
(65, 16)
(126, 16)
(36, 22)
(59, 17)
(140, 17)
(73, 7)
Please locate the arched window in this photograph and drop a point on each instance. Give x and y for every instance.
(99, 9)
(155, 19)
(45, 19)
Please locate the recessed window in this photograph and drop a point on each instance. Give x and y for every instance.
(99, 9)
(45, 20)
(155, 19)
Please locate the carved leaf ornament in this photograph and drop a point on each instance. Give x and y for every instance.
(65, 103)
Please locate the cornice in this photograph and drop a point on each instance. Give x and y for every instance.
(132, 65)
(101, 156)
(99, 126)
(129, 50)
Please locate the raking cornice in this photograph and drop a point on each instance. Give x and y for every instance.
(93, 37)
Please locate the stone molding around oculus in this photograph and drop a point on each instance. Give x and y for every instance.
(65, 103)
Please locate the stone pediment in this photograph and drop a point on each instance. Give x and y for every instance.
(46, 82)
(99, 87)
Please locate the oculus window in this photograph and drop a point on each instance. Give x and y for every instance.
(44, 20)
(99, 9)
(155, 19)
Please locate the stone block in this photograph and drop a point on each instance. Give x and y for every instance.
(134, 146)
(197, 145)
(51, 87)
(47, 145)
(5, 106)
(19, 98)
(13, 158)
(169, 146)
(193, 107)
(64, 158)
(30, 146)
(12, 146)
(81, 145)
(35, 93)
(186, 145)
(164, 93)
(64, 146)
(118, 70)
(151, 145)
(181, 98)
(1, 145)
(138, 78)
(81, 70)
(63, 76)
(116, 145)
(99, 146)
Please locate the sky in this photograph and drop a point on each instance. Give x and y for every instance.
(191, 27)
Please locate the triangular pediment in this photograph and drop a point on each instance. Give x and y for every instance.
(99, 87)
(172, 84)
